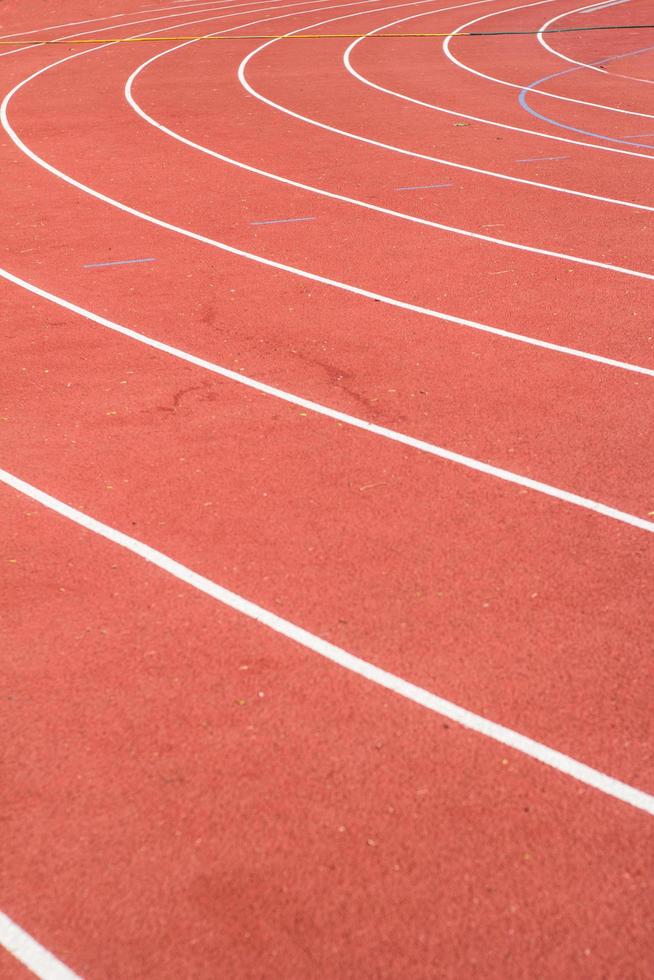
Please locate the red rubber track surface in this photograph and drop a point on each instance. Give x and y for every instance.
(187, 793)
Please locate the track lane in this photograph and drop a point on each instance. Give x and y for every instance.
(98, 159)
(353, 105)
(460, 196)
(599, 116)
(536, 448)
(261, 873)
(115, 22)
(574, 123)
(229, 8)
(13, 8)
(159, 946)
(544, 58)
(465, 231)
(330, 524)
(558, 52)
(630, 68)
(496, 124)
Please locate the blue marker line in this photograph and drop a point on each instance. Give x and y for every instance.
(99, 265)
(280, 221)
(522, 99)
(538, 159)
(419, 187)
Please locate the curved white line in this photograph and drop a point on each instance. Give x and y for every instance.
(536, 91)
(216, 6)
(95, 20)
(372, 428)
(149, 20)
(484, 121)
(449, 163)
(200, 4)
(423, 156)
(261, 260)
(362, 668)
(39, 960)
(440, 226)
(573, 61)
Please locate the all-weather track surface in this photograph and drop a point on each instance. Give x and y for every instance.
(326, 488)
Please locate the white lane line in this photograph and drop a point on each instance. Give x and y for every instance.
(23, 947)
(71, 23)
(573, 498)
(479, 119)
(314, 277)
(584, 64)
(391, 682)
(271, 263)
(212, 8)
(423, 156)
(602, 6)
(200, 4)
(217, 7)
(538, 91)
(448, 228)
(448, 163)
(440, 226)
(431, 449)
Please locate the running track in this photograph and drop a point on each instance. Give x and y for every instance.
(327, 494)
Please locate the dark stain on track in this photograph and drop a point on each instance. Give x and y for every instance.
(179, 395)
(339, 378)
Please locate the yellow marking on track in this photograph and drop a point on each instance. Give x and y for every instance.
(318, 37)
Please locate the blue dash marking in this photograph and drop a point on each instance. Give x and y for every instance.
(419, 187)
(99, 265)
(280, 221)
(536, 159)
